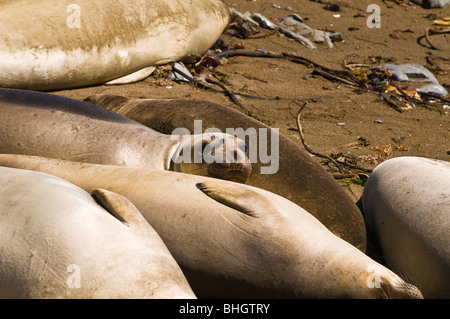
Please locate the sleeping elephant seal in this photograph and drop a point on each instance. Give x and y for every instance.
(299, 177)
(57, 242)
(65, 44)
(42, 124)
(233, 240)
(407, 204)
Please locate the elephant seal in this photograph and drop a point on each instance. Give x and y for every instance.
(299, 177)
(65, 44)
(233, 240)
(57, 242)
(42, 124)
(406, 201)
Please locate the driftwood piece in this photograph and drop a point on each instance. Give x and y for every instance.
(430, 31)
(335, 162)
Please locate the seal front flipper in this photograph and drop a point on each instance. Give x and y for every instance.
(237, 196)
(120, 207)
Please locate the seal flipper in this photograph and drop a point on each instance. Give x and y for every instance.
(133, 77)
(120, 207)
(237, 196)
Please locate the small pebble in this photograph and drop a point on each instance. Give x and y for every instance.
(335, 35)
(378, 121)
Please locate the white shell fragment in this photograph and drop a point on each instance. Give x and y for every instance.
(264, 22)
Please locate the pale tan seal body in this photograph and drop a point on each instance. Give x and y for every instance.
(299, 177)
(407, 204)
(232, 240)
(35, 123)
(63, 44)
(57, 242)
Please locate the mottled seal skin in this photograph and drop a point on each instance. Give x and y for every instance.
(42, 124)
(57, 242)
(233, 240)
(299, 177)
(64, 44)
(407, 204)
